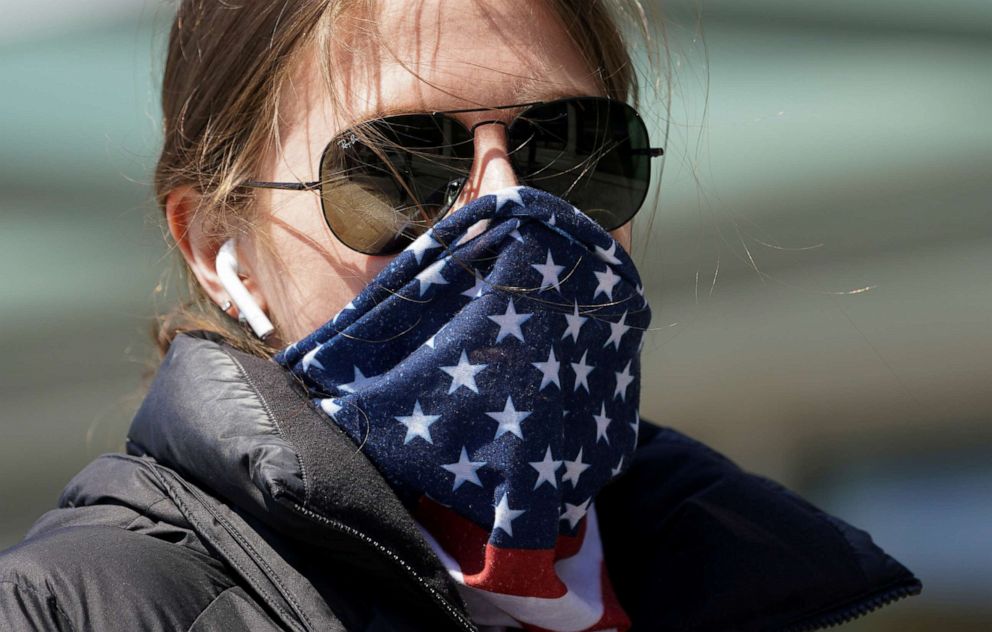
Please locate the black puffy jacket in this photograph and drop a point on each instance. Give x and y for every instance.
(239, 506)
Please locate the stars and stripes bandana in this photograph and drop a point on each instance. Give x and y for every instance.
(491, 373)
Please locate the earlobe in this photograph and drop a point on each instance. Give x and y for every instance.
(248, 308)
(200, 249)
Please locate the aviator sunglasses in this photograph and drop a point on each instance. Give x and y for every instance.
(386, 181)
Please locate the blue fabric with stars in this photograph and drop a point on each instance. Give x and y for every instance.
(492, 366)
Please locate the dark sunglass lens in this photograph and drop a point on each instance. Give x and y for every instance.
(385, 182)
(592, 152)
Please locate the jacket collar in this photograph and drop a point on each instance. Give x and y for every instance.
(243, 429)
(690, 540)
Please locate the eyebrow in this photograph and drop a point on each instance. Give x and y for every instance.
(531, 93)
(536, 91)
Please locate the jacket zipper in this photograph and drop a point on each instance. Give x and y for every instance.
(446, 605)
(856, 610)
(450, 609)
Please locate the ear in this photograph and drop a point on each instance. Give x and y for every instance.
(199, 247)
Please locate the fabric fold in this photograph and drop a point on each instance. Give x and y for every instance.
(491, 373)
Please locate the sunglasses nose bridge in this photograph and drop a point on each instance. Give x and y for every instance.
(491, 168)
(476, 126)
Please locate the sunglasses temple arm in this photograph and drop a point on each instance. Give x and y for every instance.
(653, 152)
(284, 186)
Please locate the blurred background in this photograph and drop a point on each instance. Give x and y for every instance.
(820, 261)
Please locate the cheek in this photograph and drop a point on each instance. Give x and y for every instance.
(304, 274)
(624, 235)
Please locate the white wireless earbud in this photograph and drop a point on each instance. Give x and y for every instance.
(227, 273)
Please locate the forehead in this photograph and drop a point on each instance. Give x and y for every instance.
(420, 55)
(423, 55)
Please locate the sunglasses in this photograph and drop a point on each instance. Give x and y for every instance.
(386, 181)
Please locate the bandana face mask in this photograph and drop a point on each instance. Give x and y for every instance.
(491, 373)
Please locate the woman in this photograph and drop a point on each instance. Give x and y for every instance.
(428, 420)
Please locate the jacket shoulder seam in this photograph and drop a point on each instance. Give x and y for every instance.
(272, 418)
(51, 598)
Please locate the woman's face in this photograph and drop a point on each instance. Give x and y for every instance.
(432, 55)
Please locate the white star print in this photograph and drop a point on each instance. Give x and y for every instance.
(574, 513)
(582, 371)
(636, 425)
(418, 424)
(463, 374)
(549, 273)
(430, 341)
(476, 290)
(505, 516)
(344, 309)
(472, 232)
(602, 423)
(464, 470)
(607, 281)
(640, 289)
(431, 275)
(509, 420)
(617, 330)
(616, 470)
(509, 323)
(510, 194)
(359, 382)
(422, 244)
(549, 371)
(574, 469)
(310, 359)
(609, 256)
(546, 470)
(330, 407)
(575, 323)
(624, 378)
(516, 234)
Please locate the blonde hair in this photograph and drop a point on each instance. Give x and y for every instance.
(225, 71)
